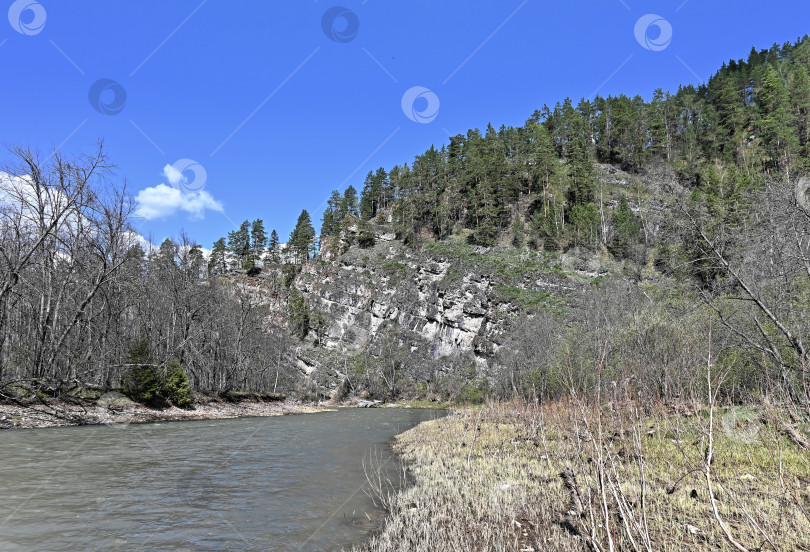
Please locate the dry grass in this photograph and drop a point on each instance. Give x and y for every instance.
(570, 476)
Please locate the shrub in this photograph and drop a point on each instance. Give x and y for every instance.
(471, 395)
(146, 383)
(177, 388)
(289, 272)
(142, 384)
(365, 237)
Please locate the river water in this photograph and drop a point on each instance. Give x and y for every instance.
(278, 483)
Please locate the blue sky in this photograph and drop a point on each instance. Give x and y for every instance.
(279, 103)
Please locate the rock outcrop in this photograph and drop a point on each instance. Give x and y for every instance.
(452, 300)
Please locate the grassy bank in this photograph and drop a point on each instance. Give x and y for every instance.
(570, 476)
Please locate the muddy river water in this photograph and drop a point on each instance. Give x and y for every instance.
(278, 483)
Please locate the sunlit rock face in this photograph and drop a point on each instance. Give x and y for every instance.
(390, 295)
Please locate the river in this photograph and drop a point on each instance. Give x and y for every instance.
(277, 483)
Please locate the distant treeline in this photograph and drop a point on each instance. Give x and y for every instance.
(752, 118)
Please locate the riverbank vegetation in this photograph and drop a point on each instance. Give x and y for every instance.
(616, 474)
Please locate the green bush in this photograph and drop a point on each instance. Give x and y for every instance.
(177, 388)
(471, 395)
(142, 380)
(142, 384)
(146, 383)
(365, 236)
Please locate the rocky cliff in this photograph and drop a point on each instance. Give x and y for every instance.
(447, 300)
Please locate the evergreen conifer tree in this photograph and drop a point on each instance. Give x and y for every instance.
(302, 238)
(258, 239)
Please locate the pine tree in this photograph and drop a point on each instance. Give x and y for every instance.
(258, 239)
(368, 197)
(383, 190)
(218, 261)
(581, 190)
(777, 120)
(332, 215)
(165, 259)
(626, 229)
(194, 262)
(365, 235)
(547, 227)
(239, 244)
(298, 314)
(800, 97)
(273, 246)
(373, 197)
(661, 124)
(585, 221)
(543, 156)
(349, 204)
(302, 238)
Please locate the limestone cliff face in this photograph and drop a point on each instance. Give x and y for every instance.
(434, 304)
(360, 301)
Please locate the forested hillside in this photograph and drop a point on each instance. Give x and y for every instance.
(695, 197)
(617, 226)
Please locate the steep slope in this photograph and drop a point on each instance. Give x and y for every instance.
(445, 303)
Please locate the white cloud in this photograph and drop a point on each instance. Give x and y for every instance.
(136, 238)
(174, 176)
(163, 201)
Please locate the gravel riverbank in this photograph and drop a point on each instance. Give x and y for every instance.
(115, 409)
